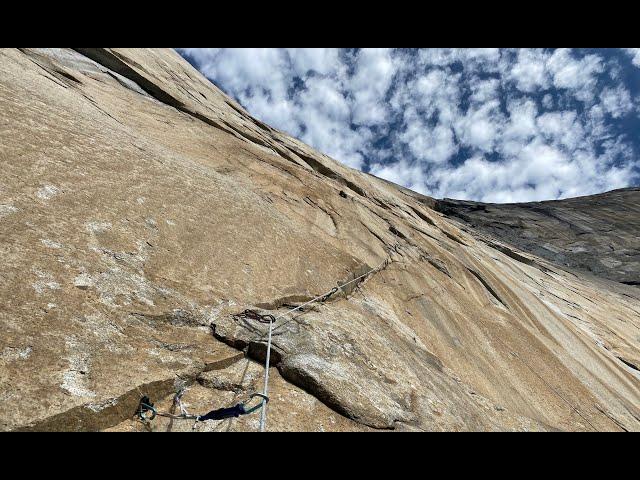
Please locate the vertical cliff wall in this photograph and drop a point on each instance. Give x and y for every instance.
(141, 208)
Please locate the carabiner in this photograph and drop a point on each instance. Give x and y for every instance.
(253, 409)
(264, 397)
(145, 405)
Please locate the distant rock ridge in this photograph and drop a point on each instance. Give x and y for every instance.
(598, 234)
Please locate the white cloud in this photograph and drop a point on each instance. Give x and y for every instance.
(402, 172)
(634, 53)
(484, 90)
(435, 93)
(547, 101)
(429, 144)
(369, 85)
(530, 71)
(473, 59)
(573, 74)
(483, 124)
(616, 101)
(522, 120)
(561, 128)
(324, 61)
(479, 128)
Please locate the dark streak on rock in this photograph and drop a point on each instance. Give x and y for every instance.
(488, 287)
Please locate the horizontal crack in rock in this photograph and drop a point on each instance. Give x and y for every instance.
(95, 416)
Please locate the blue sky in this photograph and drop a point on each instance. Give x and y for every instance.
(493, 125)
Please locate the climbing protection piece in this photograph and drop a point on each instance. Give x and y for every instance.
(253, 315)
(332, 292)
(146, 410)
(235, 411)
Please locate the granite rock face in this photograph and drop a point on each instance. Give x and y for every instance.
(598, 234)
(141, 209)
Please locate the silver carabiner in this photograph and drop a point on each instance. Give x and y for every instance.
(264, 397)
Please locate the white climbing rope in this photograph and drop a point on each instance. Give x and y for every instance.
(265, 391)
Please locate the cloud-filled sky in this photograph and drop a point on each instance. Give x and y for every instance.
(493, 125)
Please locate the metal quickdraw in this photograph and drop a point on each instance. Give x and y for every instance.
(235, 411)
(330, 293)
(253, 315)
(146, 410)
